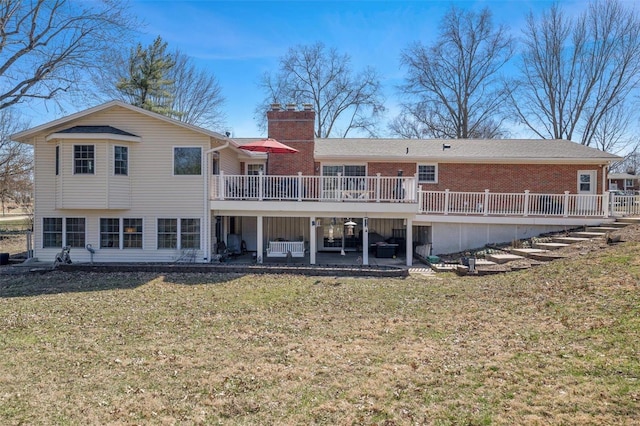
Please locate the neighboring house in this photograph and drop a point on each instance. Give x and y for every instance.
(141, 187)
(625, 182)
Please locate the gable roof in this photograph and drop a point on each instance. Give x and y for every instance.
(460, 150)
(26, 134)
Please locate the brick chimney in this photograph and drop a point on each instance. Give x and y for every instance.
(294, 128)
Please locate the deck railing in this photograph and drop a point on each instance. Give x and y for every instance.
(405, 189)
(512, 204)
(625, 205)
(315, 188)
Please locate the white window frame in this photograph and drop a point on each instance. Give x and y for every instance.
(593, 188)
(343, 164)
(122, 234)
(114, 160)
(173, 160)
(73, 159)
(65, 231)
(179, 233)
(435, 166)
(261, 166)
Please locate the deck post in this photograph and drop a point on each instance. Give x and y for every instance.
(421, 208)
(526, 203)
(566, 204)
(299, 189)
(259, 240)
(485, 210)
(312, 240)
(260, 186)
(446, 201)
(221, 185)
(409, 242)
(378, 187)
(605, 204)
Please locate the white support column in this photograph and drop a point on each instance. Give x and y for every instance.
(409, 242)
(365, 241)
(259, 240)
(312, 241)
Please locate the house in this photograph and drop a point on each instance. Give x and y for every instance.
(141, 187)
(626, 182)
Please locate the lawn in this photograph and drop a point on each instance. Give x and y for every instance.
(558, 344)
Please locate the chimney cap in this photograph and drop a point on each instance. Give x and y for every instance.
(275, 107)
(307, 107)
(291, 107)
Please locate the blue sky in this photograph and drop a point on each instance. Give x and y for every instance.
(239, 40)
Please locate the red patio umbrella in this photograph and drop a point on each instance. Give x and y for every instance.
(270, 146)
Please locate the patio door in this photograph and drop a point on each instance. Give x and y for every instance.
(587, 202)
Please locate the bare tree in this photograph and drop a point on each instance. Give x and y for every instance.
(344, 100)
(15, 161)
(197, 94)
(453, 86)
(48, 46)
(578, 74)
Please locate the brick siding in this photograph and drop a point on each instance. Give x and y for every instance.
(539, 178)
(296, 129)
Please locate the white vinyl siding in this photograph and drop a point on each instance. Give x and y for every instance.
(150, 191)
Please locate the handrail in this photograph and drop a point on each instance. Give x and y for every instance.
(315, 188)
(404, 189)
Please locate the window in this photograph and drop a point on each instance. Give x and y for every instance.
(75, 232)
(187, 161)
(121, 160)
(346, 170)
(167, 233)
(254, 169)
(57, 160)
(168, 230)
(190, 233)
(52, 232)
(628, 183)
(427, 173)
(109, 233)
(215, 165)
(132, 233)
(83, 159)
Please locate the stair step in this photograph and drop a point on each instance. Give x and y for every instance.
(550, 246)
(601, 229)
(569, 240)
(617, 225)
(629, 220)
(584, 234)
(503, 257)
(526, 251)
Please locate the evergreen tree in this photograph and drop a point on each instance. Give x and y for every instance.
(147, 85)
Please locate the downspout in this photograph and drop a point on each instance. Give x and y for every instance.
(605, 189)
(207, 206)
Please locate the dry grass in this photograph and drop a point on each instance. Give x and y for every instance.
(558, 344)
